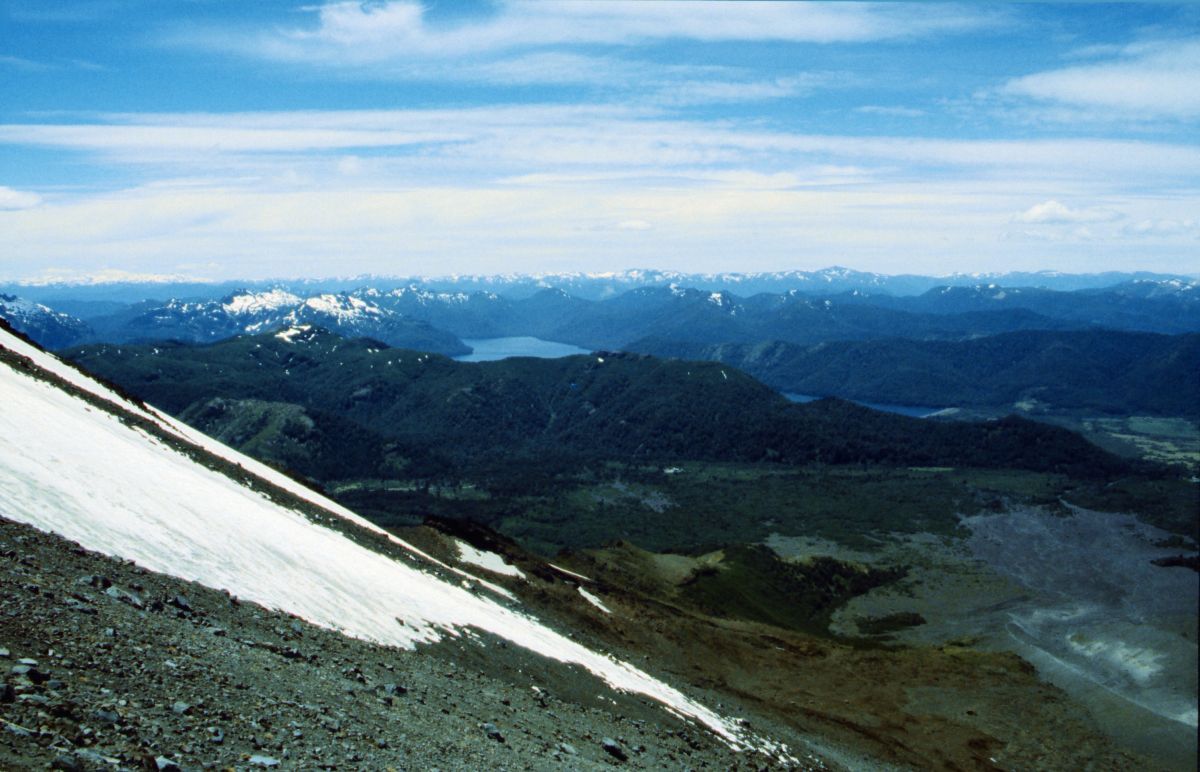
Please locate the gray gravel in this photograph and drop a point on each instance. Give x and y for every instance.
(108, 666)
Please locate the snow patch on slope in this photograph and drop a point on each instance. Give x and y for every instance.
(488, 561)
(289, 335)
(595, 601)
(562, 570)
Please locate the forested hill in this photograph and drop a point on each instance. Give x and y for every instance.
(1105, 371)
(611, 406)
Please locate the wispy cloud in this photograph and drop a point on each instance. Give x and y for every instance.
(690, 92)
(17, 199)
(107, 276)
(358, 33)
(1145, 81)
(21, 63)
(1163, 227)
(891, 111)
(1054, 213)
(578, 42)
(507, 141)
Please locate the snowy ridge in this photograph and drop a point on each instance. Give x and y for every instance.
(72, 469)
(343, 308)
(40, 322)
(246, 312)
(259, 302)
(15, 307)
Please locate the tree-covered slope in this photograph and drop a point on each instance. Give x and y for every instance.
(1094, 370)
(601, 406)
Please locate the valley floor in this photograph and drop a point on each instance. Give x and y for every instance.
(1077, 596)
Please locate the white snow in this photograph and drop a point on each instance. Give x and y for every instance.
(562, 570)
(592, 599)
(289, 335)
(489, 561)
(258, 302)
(342, 307)
(65, 371)
(72, 469)
(20, 308)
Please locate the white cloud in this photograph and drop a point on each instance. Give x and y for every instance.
(540, 67)
(356, 33)
(1147, 80)
(1162, 227)
(511, 141)
(524, 187)
(350, 165)
(55, 275)
(21, 63)
(731, 91)
(890, 111)
(438, 228)
(1053, 213)
(17, 199)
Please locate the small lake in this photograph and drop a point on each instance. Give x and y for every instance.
(912, 411)
(490, 349)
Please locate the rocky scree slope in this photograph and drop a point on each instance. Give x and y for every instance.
(107, 665)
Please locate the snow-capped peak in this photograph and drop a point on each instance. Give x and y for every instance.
(259, 302)
(342, 307)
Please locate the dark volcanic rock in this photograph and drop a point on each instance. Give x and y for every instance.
(614, 749)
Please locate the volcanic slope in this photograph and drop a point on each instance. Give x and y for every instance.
(78, 460)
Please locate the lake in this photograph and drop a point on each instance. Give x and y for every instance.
(490, 349)
(913, 411)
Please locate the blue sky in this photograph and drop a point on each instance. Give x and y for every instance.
(216, 139)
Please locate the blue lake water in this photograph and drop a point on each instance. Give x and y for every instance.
(913, 411)
(489, 349)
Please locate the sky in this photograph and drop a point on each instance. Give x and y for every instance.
(223, 139)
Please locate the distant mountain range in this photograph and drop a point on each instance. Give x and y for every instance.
(88, 299)
(51, 328)
(248, 313)
(1168, 306)
(422, 318)
(687, 314)
(981, 345)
